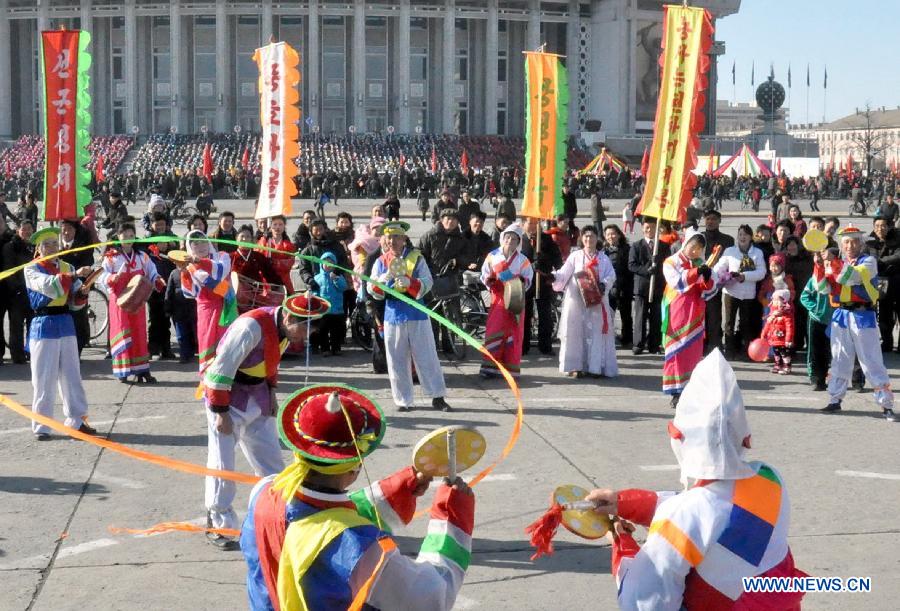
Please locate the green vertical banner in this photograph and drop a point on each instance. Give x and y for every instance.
(65, 64)
(546, 116)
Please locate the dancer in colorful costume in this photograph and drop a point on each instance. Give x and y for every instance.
(408, 337)
(207, 279)
(309, 544)
(240, 396)
(689, 283)
(730, 522)
(504, 330)
(128, 330)
(852, 283)
(587, 333)
(52, 287)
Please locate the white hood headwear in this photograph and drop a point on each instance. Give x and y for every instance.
(194, 236)
(713, 424)
(516, 229)
(689, 233)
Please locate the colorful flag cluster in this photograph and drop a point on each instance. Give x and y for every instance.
(744, 163)
(279, 115)
(546, 115)
(686, 40)
(604, 162)
(66, 66)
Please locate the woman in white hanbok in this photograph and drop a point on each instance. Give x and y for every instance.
(587, 334)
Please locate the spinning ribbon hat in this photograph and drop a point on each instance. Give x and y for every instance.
(330, 428)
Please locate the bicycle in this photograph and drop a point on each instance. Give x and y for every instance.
(473, 306)
(97, 313)
(180, 212)
(361, 327)
(860, 207)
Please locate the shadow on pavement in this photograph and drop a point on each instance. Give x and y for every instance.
(44, 485)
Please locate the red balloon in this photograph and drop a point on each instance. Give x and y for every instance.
(758, 350)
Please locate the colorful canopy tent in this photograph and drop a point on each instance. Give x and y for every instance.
(604, 162)
(744, 163)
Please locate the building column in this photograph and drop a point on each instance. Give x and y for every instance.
(5, 73)
(312, 64)
(358, 66)
(448, 108)
(492, 35)
(265, 29)
(102, 112)
(515, 80)
(224, 95)
(43, 23)
(610, 89)
(573, 62)
(87, 25)
(131, 66)
(177, 46)
(534, 25)
(401, 57)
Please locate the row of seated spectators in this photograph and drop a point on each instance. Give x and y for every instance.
(27, 154)
(342, 154)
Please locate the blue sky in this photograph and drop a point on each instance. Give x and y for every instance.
(858, 41)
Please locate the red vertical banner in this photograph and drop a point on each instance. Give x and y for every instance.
(65, 64)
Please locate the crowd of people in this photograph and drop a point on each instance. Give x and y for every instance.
(681, 291)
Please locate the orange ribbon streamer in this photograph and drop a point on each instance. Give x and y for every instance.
(245, 478)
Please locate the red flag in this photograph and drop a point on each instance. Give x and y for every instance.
(434, 160)
(207, 163)
(245, 159)
(99, 174)
(850, 166)
(645, 162)
(464, 162)
(402, 160)
(712, 153)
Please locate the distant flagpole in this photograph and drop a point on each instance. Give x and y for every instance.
(825, 94)
(807, 93)
(733, 82)
(790, 107)
(752, 73)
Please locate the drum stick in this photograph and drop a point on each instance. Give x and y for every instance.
(451, 455)
(578, 506)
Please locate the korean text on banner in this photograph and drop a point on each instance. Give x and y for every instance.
(279, 115)
(687, 37)
(546, 114)
(65, 64)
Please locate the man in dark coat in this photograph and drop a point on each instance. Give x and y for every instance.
(713, 218)
(884, 245)
(467, 208)
(158, 333)
(73, 235)
(6, 234)
(545, 261)
(480, 243)
(18, 251)
(570, 204)
(646, 269)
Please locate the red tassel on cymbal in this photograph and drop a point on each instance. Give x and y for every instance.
(543, 530)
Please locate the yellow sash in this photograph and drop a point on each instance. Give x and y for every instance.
(866, 277)
(304, 541)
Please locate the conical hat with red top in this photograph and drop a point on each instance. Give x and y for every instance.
(314, 423)
(850, 232)
(306, 305)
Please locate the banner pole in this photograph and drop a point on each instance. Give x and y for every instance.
(652, 292)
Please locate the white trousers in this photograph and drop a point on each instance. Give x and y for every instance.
(866, 345)
(412, 341)
(258, 439)
(54, 362)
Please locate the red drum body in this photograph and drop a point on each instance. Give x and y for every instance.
(136, 294)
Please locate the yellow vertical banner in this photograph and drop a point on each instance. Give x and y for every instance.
(279, 116)
(686, 39)
(546, 118)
